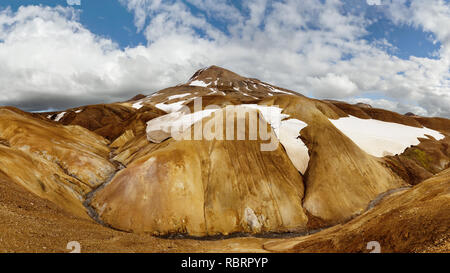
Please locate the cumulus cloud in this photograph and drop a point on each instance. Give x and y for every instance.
(49, 60)
(314, 47)
(390, 105)
(74, 2)
(333, 86)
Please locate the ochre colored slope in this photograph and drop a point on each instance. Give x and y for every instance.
(341, 179)
(29, 223)
(107, 120)
(205, 188)
(44, 178)
(416, 219)
(220, 187)
(59, 163)
(416, 163)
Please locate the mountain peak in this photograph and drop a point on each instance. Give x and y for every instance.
(216, 72)
(220, 79)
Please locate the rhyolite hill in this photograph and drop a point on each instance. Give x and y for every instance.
(335, 163)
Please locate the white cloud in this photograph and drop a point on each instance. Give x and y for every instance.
(373, 2)
(74, 2)
(301, 45)
(333, 86)
(390, 105)
(50, 60)
(309, 46)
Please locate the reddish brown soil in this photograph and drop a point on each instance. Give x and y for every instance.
(108, 120)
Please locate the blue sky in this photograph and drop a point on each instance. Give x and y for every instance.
(407, 40)
(112, 20)
(117, 23)
(391, 53)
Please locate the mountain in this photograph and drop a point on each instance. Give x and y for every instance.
(414, 219)
(227, 155)
(56, 162)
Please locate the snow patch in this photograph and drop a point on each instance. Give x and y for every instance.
(170, 108)
(186, 121)
(178, 96)
(198, 83)
(60, 116)
(173, 123)
(295, 148)
(271, 114)
(215, 91)
(247, 95)
(79, 111)
(288, 132)
(275, 90)
(137, 105)
(380, 138)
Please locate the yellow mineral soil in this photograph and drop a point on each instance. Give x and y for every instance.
(205, 188)
(58, 163)
(223, 187)
(341, 178)
(412, 220)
